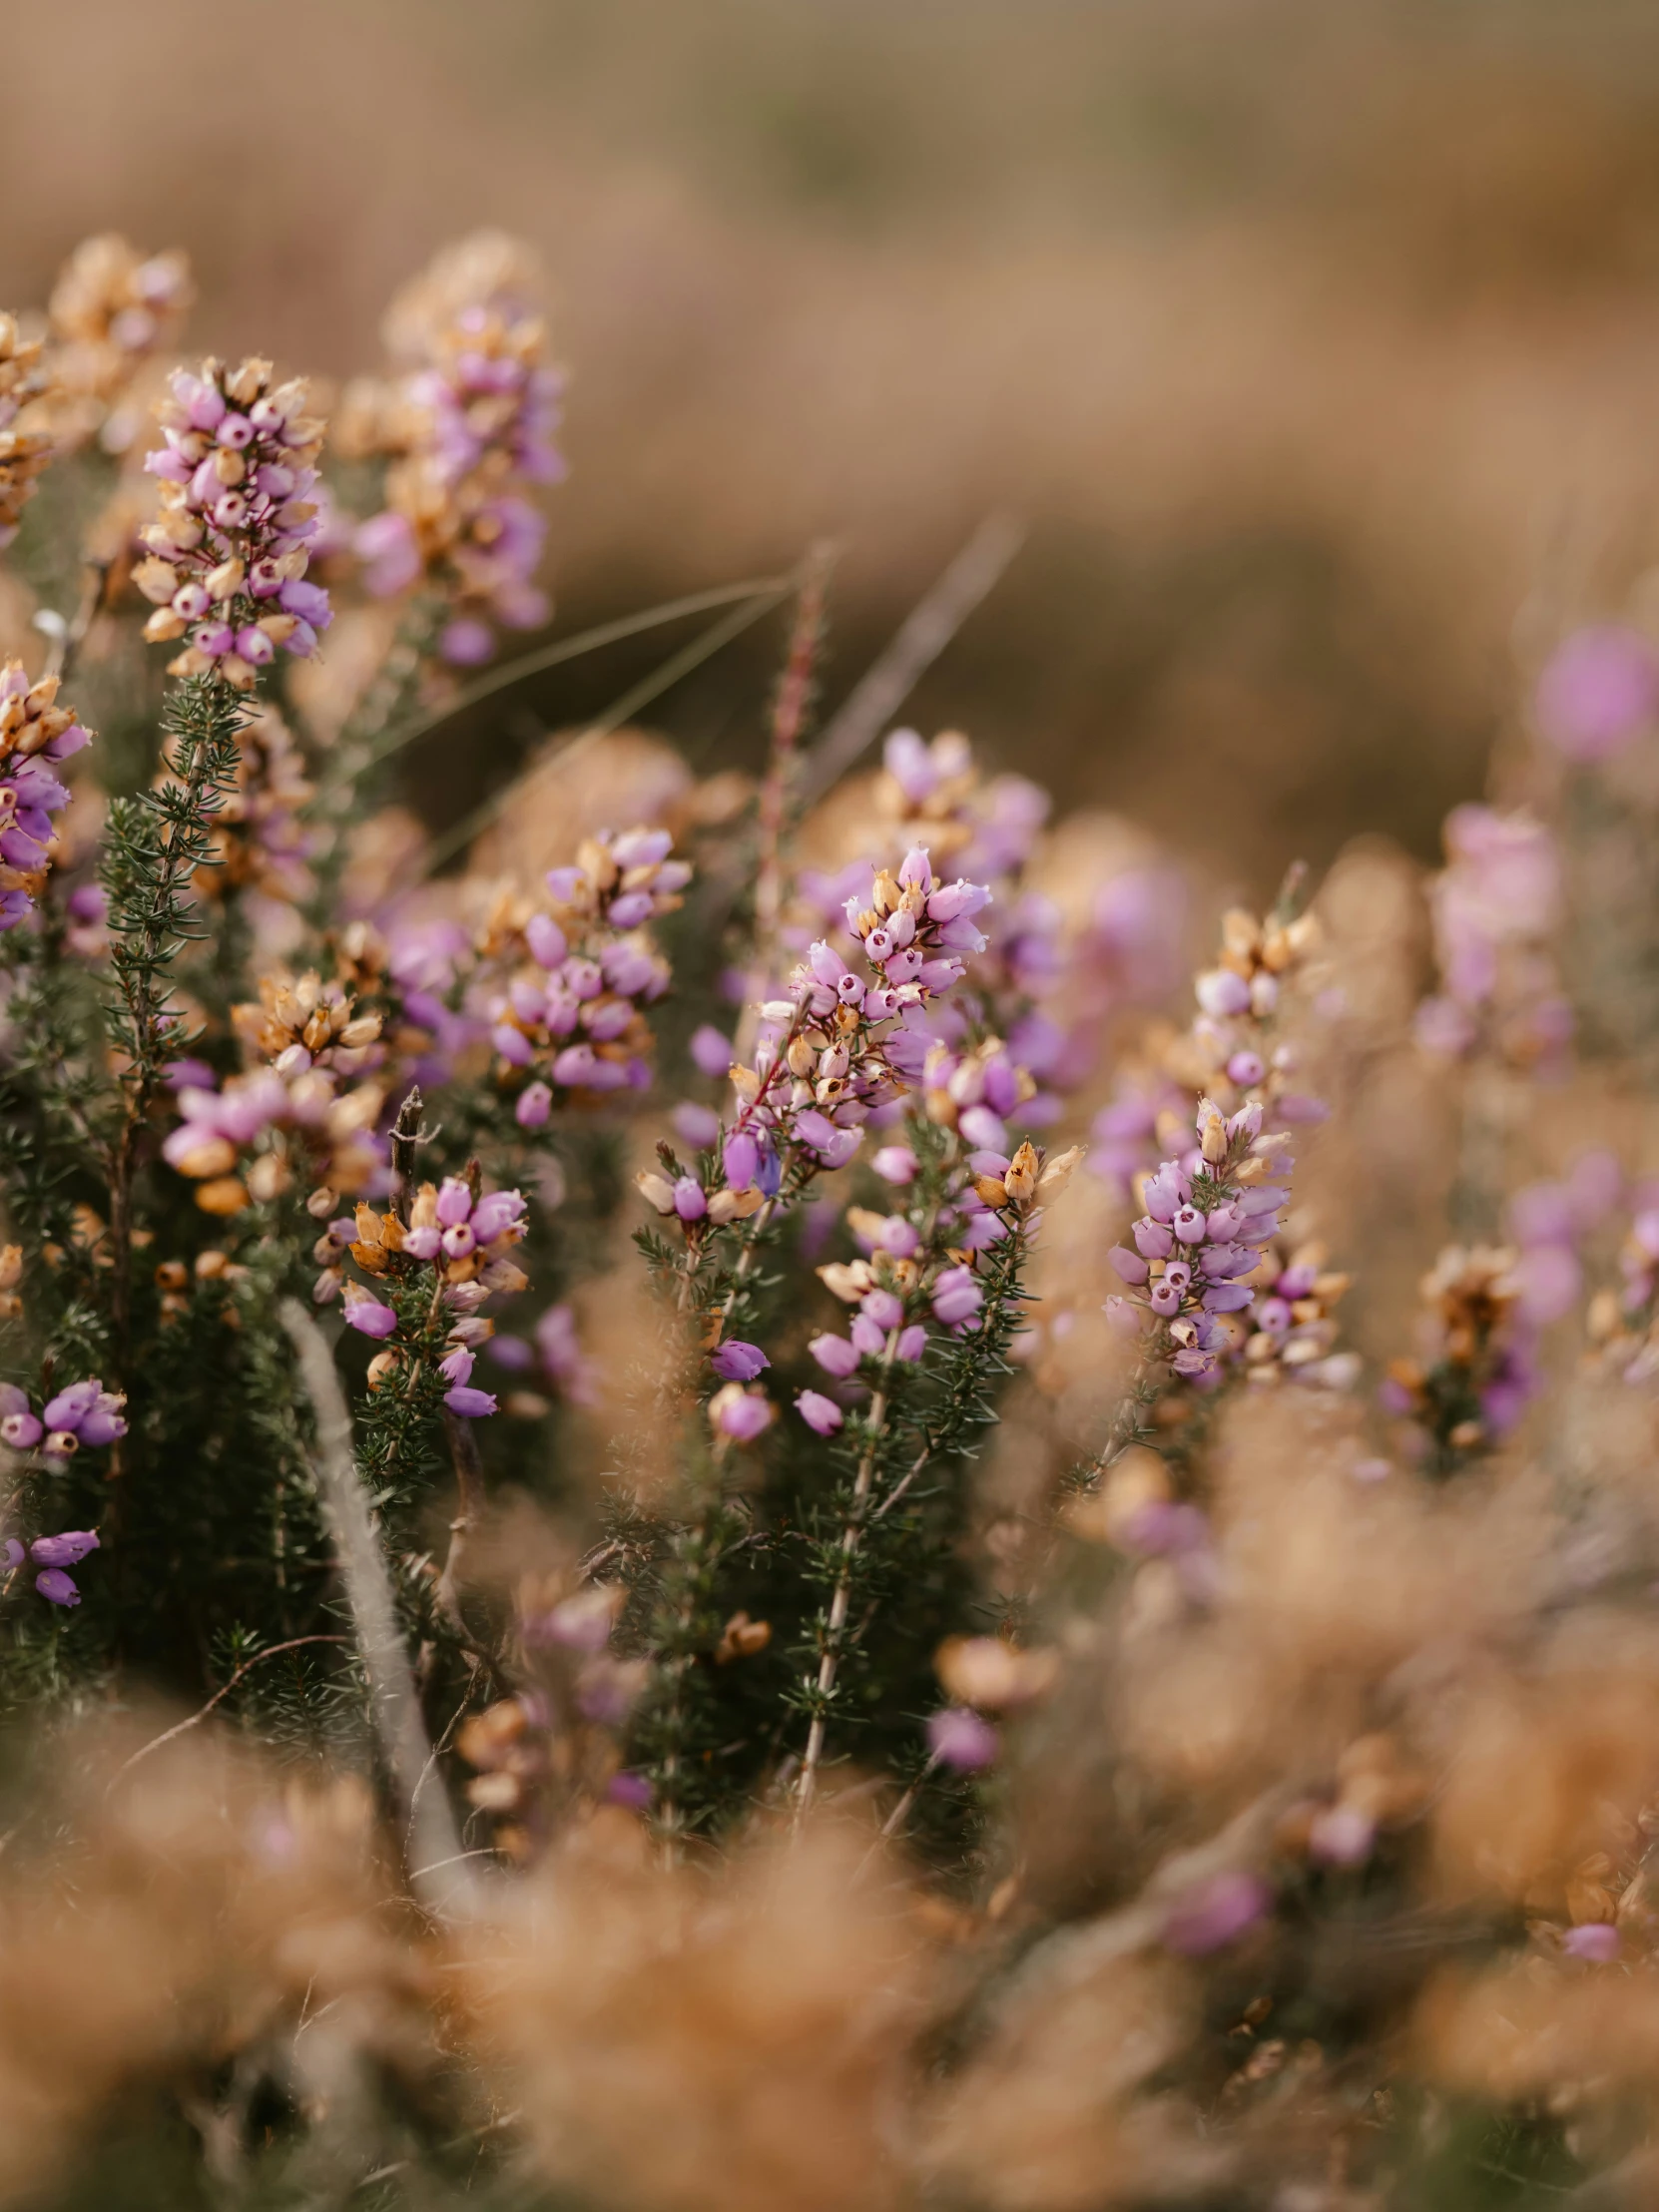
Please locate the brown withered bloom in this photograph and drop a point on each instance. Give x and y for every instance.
(724, 2045)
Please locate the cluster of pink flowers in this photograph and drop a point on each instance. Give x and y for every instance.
(1235, 1050)
(218, 1125)
(570, 1018)
(1203, 1228)
(912, 931)
(988, 830)
(52, 1555)
(466, 1238)
(842, 1046)
(1294, 1328)
(82, 1417)
(1494, 906)
(228, 552)
(1046, 982)
(36, 734)
(474, 424)
(1598, 692)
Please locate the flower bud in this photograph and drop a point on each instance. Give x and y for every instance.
(1021, 1178)
(656, 1190)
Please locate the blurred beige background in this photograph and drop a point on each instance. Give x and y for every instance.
(1316, 339)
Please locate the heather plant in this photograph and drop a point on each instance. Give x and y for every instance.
(720, 1509)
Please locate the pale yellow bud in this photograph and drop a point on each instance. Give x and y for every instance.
(1057, 1173)
(656, 1190)
(1021, 1178)
(157, 579)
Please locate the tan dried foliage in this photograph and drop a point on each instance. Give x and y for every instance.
(1549, 1763)
(733, 2043)
(1331, 1588)
(1049, 2116)
(1536, 2025)
(176, 1914)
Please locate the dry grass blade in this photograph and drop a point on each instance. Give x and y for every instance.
(923, 636)
(434, 1843)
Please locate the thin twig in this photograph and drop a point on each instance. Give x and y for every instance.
(622, 709)
(564, 649)
(368, 1592)
(841, 1599)
(271, 1651)
(923, 636)
(895, 1818)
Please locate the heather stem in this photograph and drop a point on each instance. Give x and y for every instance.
(841, 1597)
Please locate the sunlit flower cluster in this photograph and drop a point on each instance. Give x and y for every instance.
(1201, 1236)
(1493, 907)
(228, 555)
(111, 311)
(25, 444)
(36, 735)
(299, 1125)
(469, 428)
(570, 1018)
(455, 1238)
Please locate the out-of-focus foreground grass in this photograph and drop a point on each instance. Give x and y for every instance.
(1314, 341)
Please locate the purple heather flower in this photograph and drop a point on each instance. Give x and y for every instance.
(386, 544)
(740, 1414)
(1595, 1941)
(820, 1413)
(469, 1404)
(960, 1738)
(1551, 1281)
(737, 1361)
(957, 1297)
(1128, 1265)
(67, 1550)
(868, 1338)
(688, 1200)
(1599, 690)
(1216, 1913)
(910, 1344)
(1222, 994)
(19, 1427)
(57, 1588)
(495, 1213)
(835, 1356)
(1342, 1835)
(546, 941)
(899, 1236)
(630, 1790)
(741, 1160)
(698, 1125)
(366, 1315)
(535, 1104)
(466, 642)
